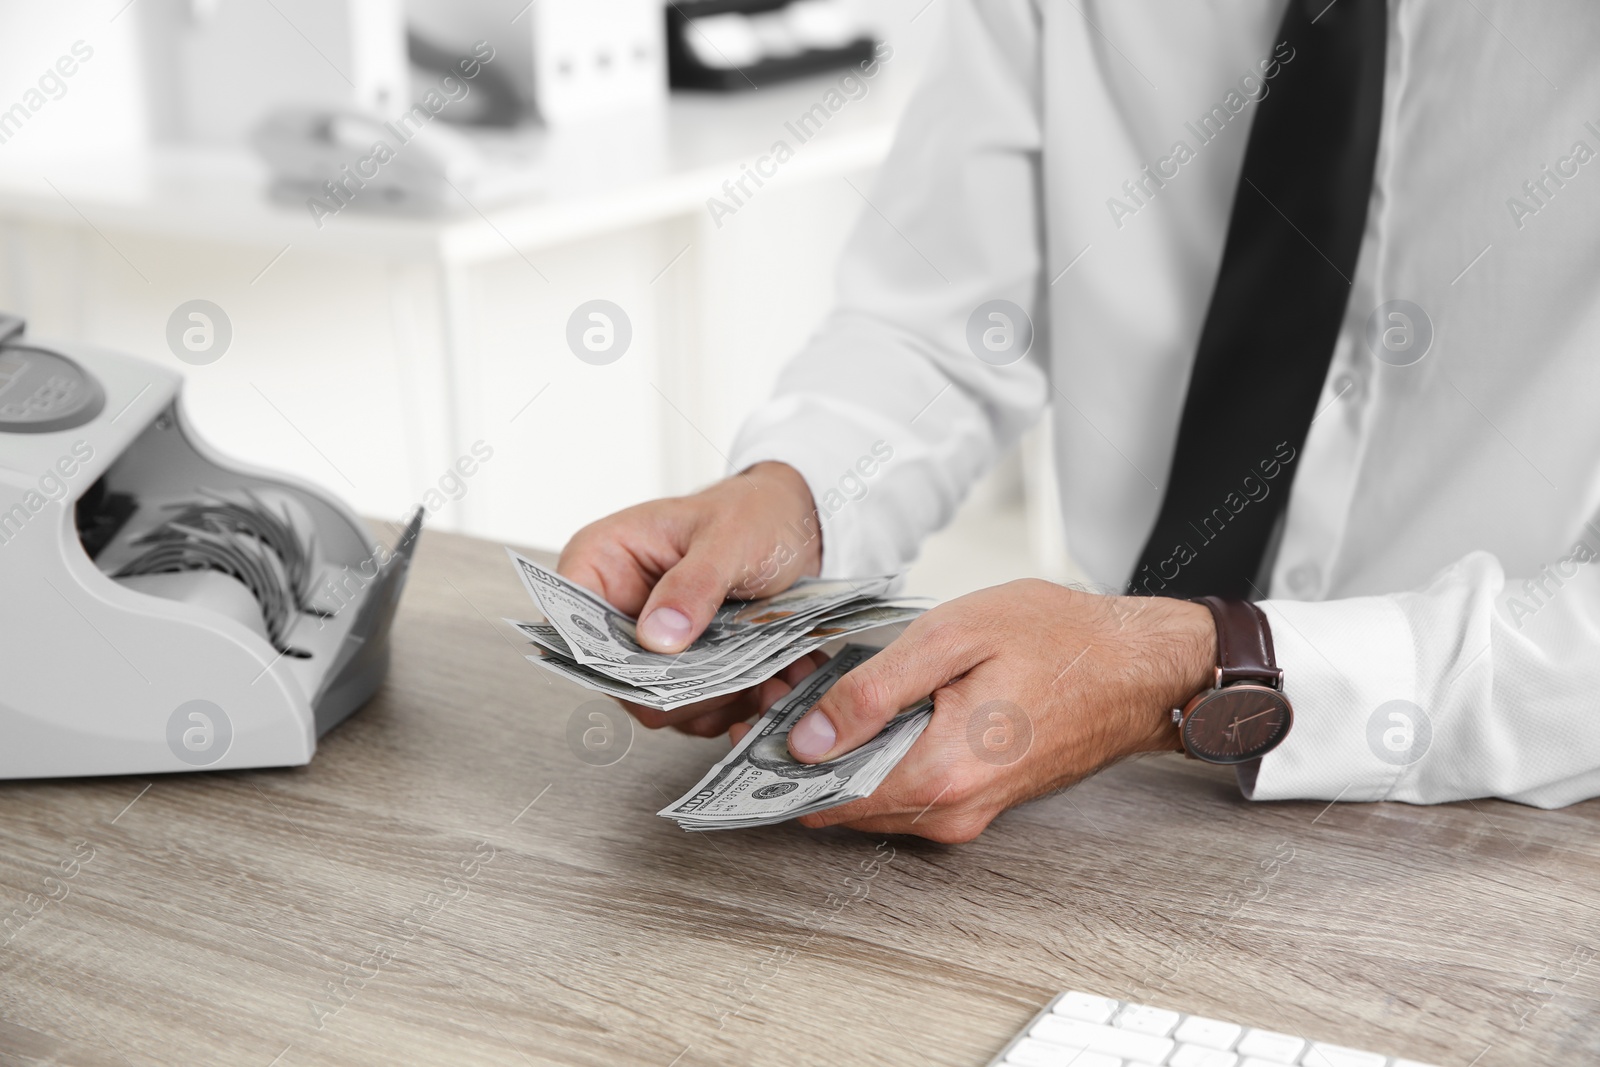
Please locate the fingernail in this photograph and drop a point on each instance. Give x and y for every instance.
(813, 736)
(665, 630)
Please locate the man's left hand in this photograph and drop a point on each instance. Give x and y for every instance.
(1035, 686)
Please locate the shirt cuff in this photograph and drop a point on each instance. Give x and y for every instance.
(1350, 672)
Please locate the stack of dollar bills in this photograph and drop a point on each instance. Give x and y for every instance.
(759, 783)
(586, 640)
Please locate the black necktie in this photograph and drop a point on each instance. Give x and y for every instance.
(1280, 296)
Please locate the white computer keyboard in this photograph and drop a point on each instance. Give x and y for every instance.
(1081, 1030)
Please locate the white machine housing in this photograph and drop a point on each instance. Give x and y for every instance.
(97, 678)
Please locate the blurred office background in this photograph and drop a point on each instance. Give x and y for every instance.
(373, 346)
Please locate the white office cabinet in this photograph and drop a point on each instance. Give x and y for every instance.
(371, 353)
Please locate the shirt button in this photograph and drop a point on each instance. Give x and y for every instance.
(1305, 579)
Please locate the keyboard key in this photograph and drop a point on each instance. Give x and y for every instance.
(1208, 1032)
(1156, 1022)
(1274, 1048)
(1086, 1008)
(1125, 1043)
(1031, 1052)
(1083, 1030)
(1322, 1055)
(1200, 1056)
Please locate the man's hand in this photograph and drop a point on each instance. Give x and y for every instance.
(1035, 686)
(672, 562)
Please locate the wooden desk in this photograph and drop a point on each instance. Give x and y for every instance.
(448, 883)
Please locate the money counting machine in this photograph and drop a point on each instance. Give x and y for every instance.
(163, 608)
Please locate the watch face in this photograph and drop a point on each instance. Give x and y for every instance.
(1236, 723)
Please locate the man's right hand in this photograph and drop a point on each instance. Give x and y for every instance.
(671, 563)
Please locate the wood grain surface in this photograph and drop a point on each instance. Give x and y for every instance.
(449, 883)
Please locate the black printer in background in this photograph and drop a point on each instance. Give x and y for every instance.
(732, 45)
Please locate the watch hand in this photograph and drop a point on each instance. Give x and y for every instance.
(1232, 730)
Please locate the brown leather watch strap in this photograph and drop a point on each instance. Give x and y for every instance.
(1244, 642)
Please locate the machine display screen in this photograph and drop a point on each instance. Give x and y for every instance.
(41, 392)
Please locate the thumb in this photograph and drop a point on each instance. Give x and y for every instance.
(864, 700)
(684, 600)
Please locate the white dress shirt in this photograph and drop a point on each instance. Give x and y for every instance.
(1434, 597)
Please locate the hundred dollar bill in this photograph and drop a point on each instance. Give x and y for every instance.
(592, 679)
(598, 634)
(759, 783)
(669, 695)
(793, 642)
(599, 683)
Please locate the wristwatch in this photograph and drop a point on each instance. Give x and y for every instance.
(1244, 715)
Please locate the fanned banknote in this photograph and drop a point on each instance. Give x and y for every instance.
(760, 783)
(594, 644)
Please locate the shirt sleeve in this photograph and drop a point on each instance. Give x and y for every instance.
(1474, 686)
(887, 412)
